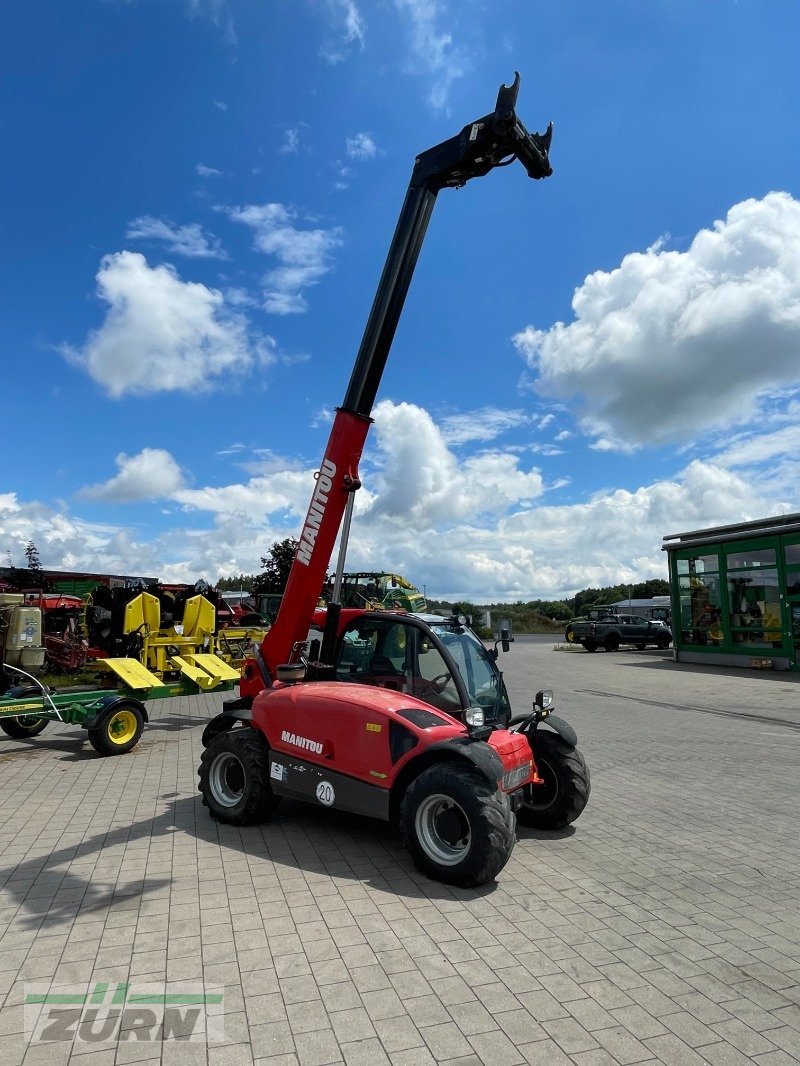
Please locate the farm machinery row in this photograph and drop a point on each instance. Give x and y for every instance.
(137, 644)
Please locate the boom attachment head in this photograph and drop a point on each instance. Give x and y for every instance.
(492, 141)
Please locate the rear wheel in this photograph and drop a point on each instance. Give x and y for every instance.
(119, 730)
(664, 642)
(234, 778)
(641, 646)
(569, 635)
(565, 792)
(590, 645)
(24, 725)
(458, 827)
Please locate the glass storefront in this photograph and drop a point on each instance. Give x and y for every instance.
(738, 595)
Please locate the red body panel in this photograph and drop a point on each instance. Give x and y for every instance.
(346, 727)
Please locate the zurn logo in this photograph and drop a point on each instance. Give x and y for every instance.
(118, 1012)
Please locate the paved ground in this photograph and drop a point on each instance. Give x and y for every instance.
(665, 928)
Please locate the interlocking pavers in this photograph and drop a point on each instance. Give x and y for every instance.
(664, 929)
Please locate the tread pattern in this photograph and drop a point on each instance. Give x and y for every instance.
(574, 785)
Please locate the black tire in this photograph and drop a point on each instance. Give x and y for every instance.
(234, 778)
(611, 642)
(590, 645)
(119, 730)
(561, 799)
(664, 643)
(458, 827)
(641, 646)
(23, 726)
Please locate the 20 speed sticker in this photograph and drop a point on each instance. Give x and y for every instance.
(325, 793)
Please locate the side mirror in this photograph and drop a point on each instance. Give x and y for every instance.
(505, 640)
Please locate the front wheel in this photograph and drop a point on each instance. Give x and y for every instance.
(458, 827)
(565, 792)
(664, 643)
(590, 645)
(234, 777)
(23, 726)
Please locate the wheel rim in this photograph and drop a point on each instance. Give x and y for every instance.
(226, 779)
(443, 830)
(122, 727)
(28, 723)
(544, 796)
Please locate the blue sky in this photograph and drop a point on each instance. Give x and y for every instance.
(197, 201)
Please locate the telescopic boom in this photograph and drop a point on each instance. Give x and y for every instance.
(493, 140)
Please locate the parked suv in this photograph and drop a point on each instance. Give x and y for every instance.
(611, 631)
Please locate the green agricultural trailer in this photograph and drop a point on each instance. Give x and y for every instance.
(113, 717)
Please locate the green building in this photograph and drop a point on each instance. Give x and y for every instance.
(735, 593)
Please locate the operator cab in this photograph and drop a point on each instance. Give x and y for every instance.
(439, 660)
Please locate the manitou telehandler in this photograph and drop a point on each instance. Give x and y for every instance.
(383, 713)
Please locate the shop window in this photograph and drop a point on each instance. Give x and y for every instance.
(701, 610)
(795, 609)
(753, 557)
(698, 564)
(791, 554)
(755, 608)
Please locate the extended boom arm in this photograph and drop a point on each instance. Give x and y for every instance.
(491, 141)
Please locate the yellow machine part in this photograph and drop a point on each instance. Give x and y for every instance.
(206, 670)
(132, 673)
(143, 611)
(199, 617)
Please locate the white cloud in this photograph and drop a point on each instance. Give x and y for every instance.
(163, 334)
(207, 172)
(420, 479)
(303, 255)
(361, 146)
(434, 50)
(291, 142)
(190, 240)
(348, 30)
(484, 424)
(672, 345)
(482, 529)
(220, 105)
(152, 474)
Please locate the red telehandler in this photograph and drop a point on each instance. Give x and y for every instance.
(382, 713)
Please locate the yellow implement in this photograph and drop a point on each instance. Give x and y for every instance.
(132, 674)
(206, 670)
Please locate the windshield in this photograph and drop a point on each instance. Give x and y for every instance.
(483, 681)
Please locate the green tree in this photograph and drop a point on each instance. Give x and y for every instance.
(277, 565)
(35, 576)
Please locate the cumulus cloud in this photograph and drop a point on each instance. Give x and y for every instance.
(189, 240)
(207, 172)
(671, 345)
(419, 477)
(361, 147)
(432, 48)
(152, 474)
(303, 255)
(484, 529)
(162, 334)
